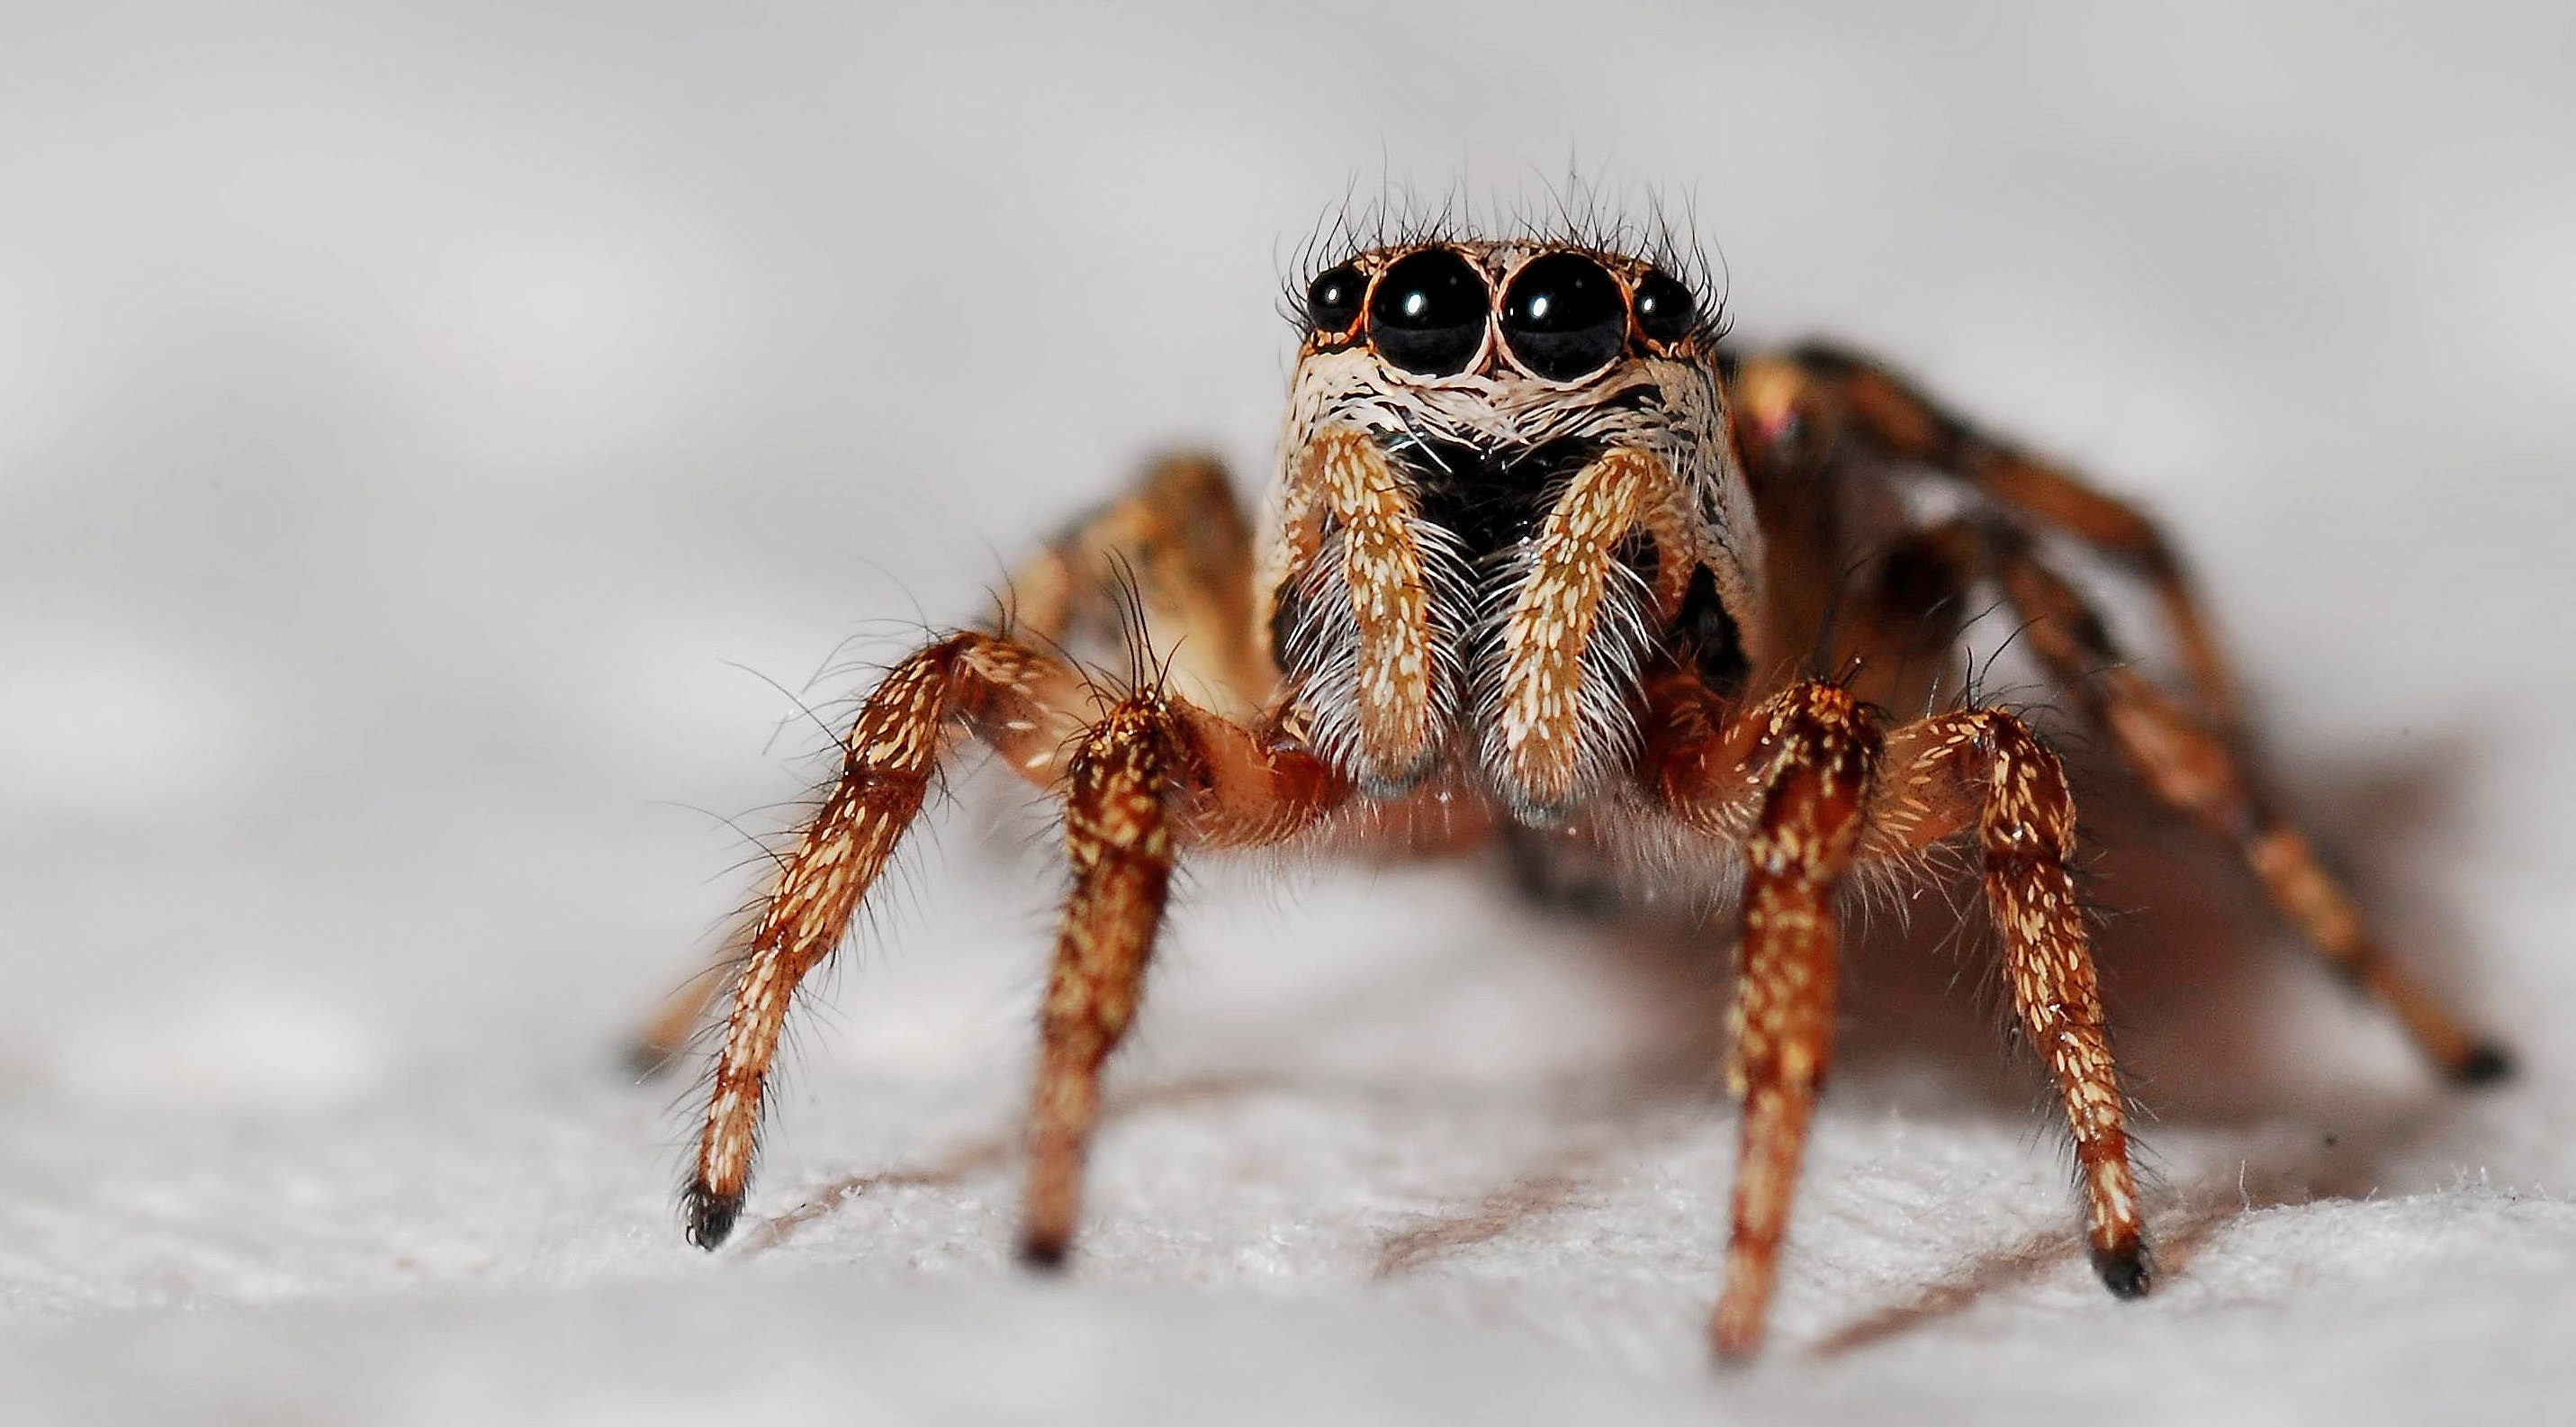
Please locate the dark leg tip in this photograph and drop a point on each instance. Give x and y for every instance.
(646, 1059)
(2126, 1269)
(2486, 1064)
(1043, 1255)
(708, 1216)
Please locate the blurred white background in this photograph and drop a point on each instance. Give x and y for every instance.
(411, 415)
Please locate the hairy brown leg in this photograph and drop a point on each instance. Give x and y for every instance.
(1795, 411)
(1809, 752)
(1735, 778)
(2188, 766)
(1231, 783)
(1799, 410)
(888, 760)
(1985, 768)
(1179, 544)
(1118, 840)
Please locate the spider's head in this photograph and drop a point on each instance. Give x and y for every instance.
(1507, 488)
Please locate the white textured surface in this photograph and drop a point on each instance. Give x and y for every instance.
(406, 412)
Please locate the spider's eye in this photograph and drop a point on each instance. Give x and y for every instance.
(1563, 316)
(1666, 311)
(1333, 300)
(1429, 313)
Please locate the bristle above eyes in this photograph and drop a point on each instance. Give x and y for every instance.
(1579, 214)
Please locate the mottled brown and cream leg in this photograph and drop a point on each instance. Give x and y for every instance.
(1180, 543)
(1794, 779)
(1798, 409)
(1984, 768)
(1823, 746)
(1800, 766)
(1230, 783)
(1118, 840)
(1178, 540)
(888, 761)
(2189, 767)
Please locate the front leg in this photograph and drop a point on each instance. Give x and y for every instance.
(1824, 743)
(1801, 766)
(1118, 839)
(1221, 782)
(1174, 554)
(888, 760)
(1985, 768)
(1780, 780)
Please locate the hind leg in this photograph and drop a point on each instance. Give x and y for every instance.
(1801, 410)
(2190, 767)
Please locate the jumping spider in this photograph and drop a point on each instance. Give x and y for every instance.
(1544, 562)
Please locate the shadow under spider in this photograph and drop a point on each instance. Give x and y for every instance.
(2179, 1234)
(1531, 1196)
(2201, 1009)
(976, 1156)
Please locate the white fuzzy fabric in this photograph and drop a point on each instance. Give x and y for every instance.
(406, 413)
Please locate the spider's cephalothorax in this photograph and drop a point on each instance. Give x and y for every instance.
(1506, 477)
(1539, 564)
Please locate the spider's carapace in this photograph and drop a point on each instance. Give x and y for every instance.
(1541, 562)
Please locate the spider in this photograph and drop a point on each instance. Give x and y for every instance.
(1544, 563)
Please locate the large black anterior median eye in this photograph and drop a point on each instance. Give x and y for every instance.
(1428, 316)
(1564, 316)
(1333, 300)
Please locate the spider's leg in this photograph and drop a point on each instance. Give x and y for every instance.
(1803, 408)
(1118, 839)
(889, 758)
(1985, 768)
(2190, 767)
(1805, 758)
(1231, 784)
(1780, 779)
(1177, 544)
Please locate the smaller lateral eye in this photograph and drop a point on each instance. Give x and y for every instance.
(1333, 299)
(1666, 310)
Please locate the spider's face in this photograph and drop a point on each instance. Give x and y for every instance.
(1507, 484)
